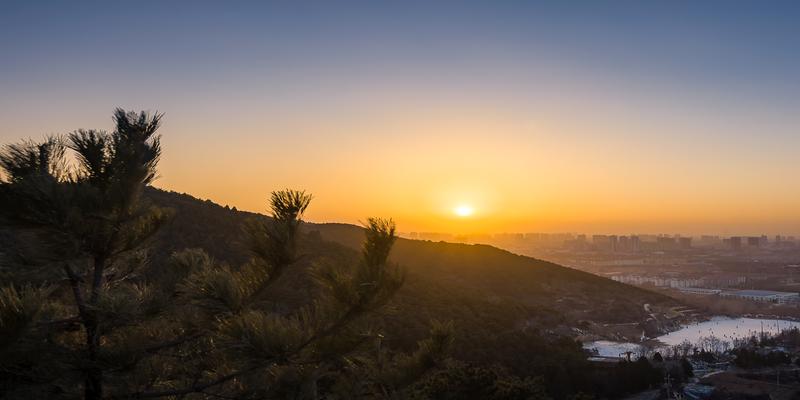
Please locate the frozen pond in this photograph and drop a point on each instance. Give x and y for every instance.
(722, 328)
(727, 329)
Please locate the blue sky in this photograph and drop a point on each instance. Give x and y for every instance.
(713, 85)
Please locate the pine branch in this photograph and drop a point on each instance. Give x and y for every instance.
(199, 388)
(97, 279)
(171, 343)
(219, 396)
(341, 323)
(66, 322)
(75, 282)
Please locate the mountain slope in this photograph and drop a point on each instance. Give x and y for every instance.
(476, 285)
(510, 312)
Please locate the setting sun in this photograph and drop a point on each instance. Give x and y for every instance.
(464, 210)
(351, 199)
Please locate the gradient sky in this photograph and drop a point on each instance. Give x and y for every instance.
(677, 116)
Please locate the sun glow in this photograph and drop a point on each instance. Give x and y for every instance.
(464, 210)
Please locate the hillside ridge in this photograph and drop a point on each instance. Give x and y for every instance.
(567, 300)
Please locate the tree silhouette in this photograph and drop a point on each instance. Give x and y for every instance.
(268, 354)
(84, 304)
(85, 220)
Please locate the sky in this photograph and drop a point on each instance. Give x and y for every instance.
(597, 117)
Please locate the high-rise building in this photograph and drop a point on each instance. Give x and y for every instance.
(736, 242)
(604, 242)
(666, 243)
(623, 244)
(635, 243)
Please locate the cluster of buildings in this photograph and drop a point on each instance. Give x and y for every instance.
(719, 281)
(636, 243)
(613, 243)
(712, 286)
(763, 296)
(739, 242)
(701, 265)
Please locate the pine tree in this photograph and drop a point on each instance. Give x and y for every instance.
(261, 353)
(85, 224)
(84, 310)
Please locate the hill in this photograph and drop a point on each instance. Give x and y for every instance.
(475, 285)
(516, 318)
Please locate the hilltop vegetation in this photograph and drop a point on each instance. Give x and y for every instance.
(114, 289)
(508, 310)
(477, 282)
(86, 310)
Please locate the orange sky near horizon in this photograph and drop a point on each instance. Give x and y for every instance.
(627, 165)
(631, 117)
(519, 171)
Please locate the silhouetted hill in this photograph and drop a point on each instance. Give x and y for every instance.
(477, 285)
(565, 296)
(510, 311)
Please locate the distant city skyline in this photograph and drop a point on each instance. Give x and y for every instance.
(590, 235)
